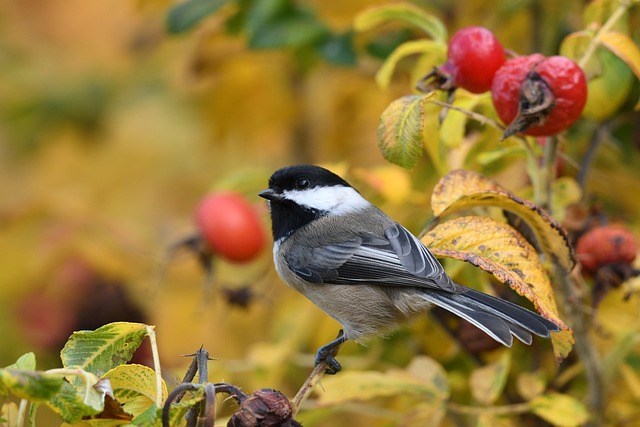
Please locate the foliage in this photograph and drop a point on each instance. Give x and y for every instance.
(119, 116)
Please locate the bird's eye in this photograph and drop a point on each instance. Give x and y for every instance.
(302, 183)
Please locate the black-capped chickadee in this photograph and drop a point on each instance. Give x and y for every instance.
(367, 271)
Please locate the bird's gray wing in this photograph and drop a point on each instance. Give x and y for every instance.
(396, 259)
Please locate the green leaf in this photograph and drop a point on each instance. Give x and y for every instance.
(560, 410)
(400, 130)
(105, 348)
(338, 49)
(27, 362)
(383, 76)
(28, 384)
(184, 16)
(405, 12)
(487, 382)
(624, 48)
(296, 28)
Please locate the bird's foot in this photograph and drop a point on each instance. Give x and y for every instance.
(327, 354)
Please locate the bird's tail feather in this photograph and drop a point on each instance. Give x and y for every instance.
(499, 318)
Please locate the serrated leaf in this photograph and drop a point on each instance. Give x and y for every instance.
(364, 385)
(105, 348)
(487, 382)
(560, 410)
(186, 15)
(134, 386)
(26, 362)
(400, 131)
(73, 403)
(462, 189)
(384, 74)
(498, 249)
(27, 384)
(405, 12)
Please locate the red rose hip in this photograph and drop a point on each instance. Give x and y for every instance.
(539, 96)
(474, 54)
(610, 244)
(230, 226)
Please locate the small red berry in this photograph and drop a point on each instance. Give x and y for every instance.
(230, 226)
(539, 96)
(603, 245)
(474, 54)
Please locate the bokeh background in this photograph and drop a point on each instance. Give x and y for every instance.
(112, 129)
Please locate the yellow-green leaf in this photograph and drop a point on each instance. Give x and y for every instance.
(134, 386)
(462, 189)
(624, 48)
(363, 385)
(400, 131)
(405, 12)
(560, 410)
(498, 249)
(453, 127)
(488, 381)
(105, 348)
(383, 76)
(28, 384)
(27, 362)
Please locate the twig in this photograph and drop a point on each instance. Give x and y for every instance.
(606, 27)
(587, 160)
(151, 333)
(516, 408)
(471, 114)
(584, 346)
(548, 170)
(306, 389)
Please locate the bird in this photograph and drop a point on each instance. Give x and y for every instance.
(367, 271)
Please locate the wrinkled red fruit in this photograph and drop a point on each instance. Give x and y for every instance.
(230, 226)
(474, 55)
(539, 96)
(604, 245)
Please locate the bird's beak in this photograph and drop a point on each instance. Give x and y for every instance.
(270, 194)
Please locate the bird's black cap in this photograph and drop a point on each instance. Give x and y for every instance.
(288, 178)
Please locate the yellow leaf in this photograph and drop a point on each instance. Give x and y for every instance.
(487, 382)
(405, 12)
(430, 386)
(560, 410)
(393, 183)
(383, 76)
(134, 386)
(530, 384)
(462, 189)
(500, 250)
